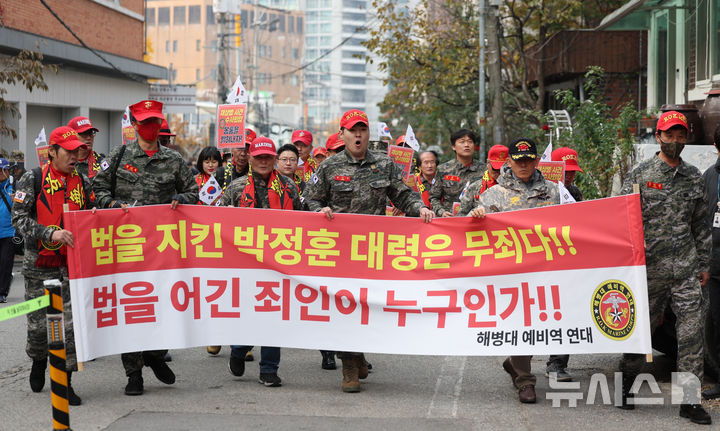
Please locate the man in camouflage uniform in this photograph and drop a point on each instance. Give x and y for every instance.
(33, 189)
(238, 165)
(145, 173)
(519, 186)
(677, 254)
(455, 176)
(497, 156)
(359, 181)
(86, 133)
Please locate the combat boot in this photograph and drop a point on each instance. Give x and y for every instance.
(135, 384)
(159, 368)
(350, 369)
(363, 370)
(627, 397)
(695, 413)
(37, 374)
(73, 399)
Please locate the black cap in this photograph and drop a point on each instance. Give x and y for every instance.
(523, 147)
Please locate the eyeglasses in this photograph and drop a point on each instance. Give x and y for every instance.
(288, 160)
(88, 134)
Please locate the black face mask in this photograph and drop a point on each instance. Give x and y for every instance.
(671, 149)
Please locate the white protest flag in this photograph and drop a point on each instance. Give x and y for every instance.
(237, 95)
(546, 156)
(41, 139)
(384, 131)
(126, 118)
(565, 196)
(210, 192)
(411, 139)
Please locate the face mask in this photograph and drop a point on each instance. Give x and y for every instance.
(671, 149)
(149, 131)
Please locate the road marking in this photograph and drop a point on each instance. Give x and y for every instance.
(448, 386)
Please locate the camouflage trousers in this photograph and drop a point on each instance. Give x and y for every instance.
(37, 345)
(134, 361)
(686, 301)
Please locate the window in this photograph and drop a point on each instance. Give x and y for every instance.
(150, 16)
(281, 23)
(351, 80)
(353, 67)
(174, 74)
(194, 14)
(261, 51)
(244, 19)
(353, 41)
(356, 4)
(261, 78)
(197, 74)
(291, 24)
(353, 54)
(198, 45)
(299, 25)
(294, 80)
(283, 52)
(179, 15)
(295, 53)
(213, 74)
(167, 46)
(353, 95)
(702, 41)
(175, 45)
(269, 51)
(283, 80)
(353, 16)
(661, 59)
(209, 16)
(163, 15)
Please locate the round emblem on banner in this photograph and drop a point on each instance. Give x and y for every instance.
(52, 245)
(613, 309)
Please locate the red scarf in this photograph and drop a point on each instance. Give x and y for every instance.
(425, 193)
(306, 170)
(487, 182)
(56, 189)
(278, 193)
(201, 179)
(93, 165)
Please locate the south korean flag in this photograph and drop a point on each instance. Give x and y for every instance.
(210, 193)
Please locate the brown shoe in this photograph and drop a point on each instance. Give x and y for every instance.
(213, 350)
(362, 367)
(526, 394)
(350, 382)
(510, 370)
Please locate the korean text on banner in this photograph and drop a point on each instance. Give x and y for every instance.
(553, 171)
(557, 279)
(231, 125)
(403, 158)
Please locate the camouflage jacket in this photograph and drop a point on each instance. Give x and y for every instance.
(82, 166)
(674, 211)
(363, 186)
(24, 219)
(233, 192)
(147, 180)
(512, 194)
(450, 181)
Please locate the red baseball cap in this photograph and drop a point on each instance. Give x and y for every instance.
(670, 119)
(147, 109)
(262, 145)
(66, 137)
(302, 136)
(352, 117)
(250, 134)
(497, 156)
(567, 155)
(319, 150)
(165, 129)
(400, 140)
(81, 125)
(334, 142)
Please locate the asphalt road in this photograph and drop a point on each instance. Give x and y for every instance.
(413, 393)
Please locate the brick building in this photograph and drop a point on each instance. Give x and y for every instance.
(85, 84)
(184, 37)
(567, 55)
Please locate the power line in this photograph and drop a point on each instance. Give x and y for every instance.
(132, 76)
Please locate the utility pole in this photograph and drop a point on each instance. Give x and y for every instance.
(481, 77)
(220, 75)
(495, 74)
(256, 87)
